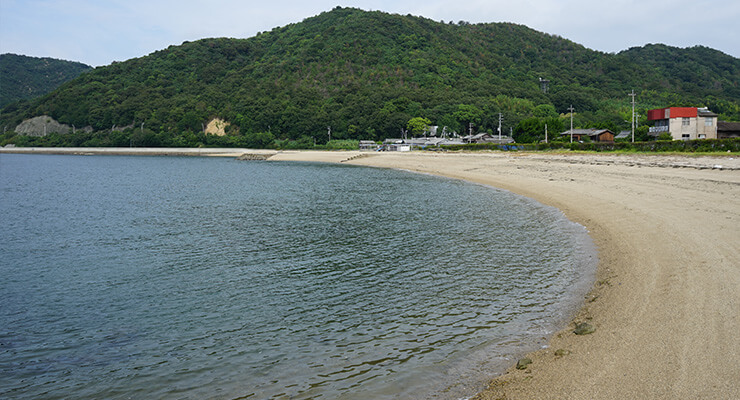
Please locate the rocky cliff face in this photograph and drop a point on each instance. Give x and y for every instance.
(44, 125)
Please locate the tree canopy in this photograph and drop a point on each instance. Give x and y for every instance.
(367, 74)
(23, 77)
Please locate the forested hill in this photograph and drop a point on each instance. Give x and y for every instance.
(23, 77)
(366, 74)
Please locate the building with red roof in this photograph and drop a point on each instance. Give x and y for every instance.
(684, 123)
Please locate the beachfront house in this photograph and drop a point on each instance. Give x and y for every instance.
(684, 123)
(596, 135)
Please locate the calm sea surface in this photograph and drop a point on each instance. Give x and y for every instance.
(193, 278)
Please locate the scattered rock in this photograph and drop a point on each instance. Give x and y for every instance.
(584, 328)
(254, 157)
(522, 364)
(562, 352)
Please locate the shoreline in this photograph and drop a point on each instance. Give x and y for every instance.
(667, 286)
(667, 291)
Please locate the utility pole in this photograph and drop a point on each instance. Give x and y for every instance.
(545, 133)
(571, 109)
(500, 119)
(142, 128)
(470, 127)
(329, 132)
(633, 94)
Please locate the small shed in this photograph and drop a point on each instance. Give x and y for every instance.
(368, 145)
(596, 135)
(624, 135)
(728, 130)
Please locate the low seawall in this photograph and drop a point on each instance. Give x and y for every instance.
(137, 151)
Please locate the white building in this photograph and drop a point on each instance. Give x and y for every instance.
(684, 123)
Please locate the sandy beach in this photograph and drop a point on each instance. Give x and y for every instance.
(666, 301)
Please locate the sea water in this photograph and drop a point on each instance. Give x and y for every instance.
(193, 278)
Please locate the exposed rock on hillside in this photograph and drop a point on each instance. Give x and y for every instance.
(44, 125)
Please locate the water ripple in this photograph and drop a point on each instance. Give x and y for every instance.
(208, 278)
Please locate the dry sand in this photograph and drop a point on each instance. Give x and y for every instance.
(666, 302)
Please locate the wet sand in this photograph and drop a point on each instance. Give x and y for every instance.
(666, 301)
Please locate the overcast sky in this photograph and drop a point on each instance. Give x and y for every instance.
(98, 32)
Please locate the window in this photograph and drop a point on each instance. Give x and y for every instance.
(685, 136)
(686, 121)
(702, 136)
(708, 121)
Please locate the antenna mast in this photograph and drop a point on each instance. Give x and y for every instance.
(544, 85)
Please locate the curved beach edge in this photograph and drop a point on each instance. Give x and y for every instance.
(663, 308)
(663, 311)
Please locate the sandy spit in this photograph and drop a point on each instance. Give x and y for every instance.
(666, 301)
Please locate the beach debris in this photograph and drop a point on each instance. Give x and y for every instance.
(561, 352)
(584, 328)
(522, 364)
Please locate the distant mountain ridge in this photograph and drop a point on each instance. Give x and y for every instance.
(365, 74)
(24, 77)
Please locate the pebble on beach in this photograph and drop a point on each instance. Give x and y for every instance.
(584, 328)
(522, 364)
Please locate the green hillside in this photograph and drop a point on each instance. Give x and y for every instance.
(23, 77)
(366, 74)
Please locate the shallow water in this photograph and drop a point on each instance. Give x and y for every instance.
(167, 277)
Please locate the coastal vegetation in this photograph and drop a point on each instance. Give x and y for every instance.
(662, 146)
(349, 74)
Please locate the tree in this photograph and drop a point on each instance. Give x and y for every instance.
(418, 125)
(467, 114)
(532, 130)
(545, 111)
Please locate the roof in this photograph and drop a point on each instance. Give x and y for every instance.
(724, 126)
(623, 135)
(476, 136)
(704, 112)
(671, 112)
(588, 132)
(679, 112)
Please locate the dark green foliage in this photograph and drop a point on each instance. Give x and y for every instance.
(23, 77)
(366, 74)
(686, 146)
